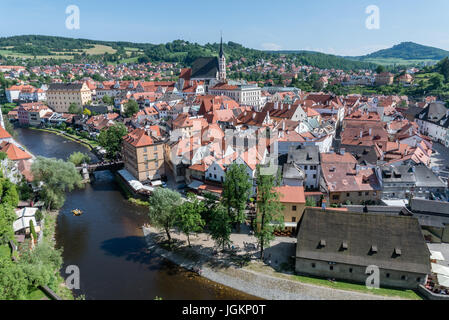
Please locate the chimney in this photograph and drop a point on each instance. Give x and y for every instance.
(254, 115)
(289, 106)
(361, 133)
(342, 151)
(283, 126)
(276, 105)
(370, 131)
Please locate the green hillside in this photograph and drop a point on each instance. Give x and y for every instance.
(405, 53)
(184, 52)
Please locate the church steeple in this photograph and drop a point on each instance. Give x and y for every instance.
(221, 47)
(221, 63)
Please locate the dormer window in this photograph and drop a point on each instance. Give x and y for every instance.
(344, 245)
(322, 243)
(397, 251)
(373, 248)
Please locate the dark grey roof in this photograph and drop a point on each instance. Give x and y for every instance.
(426, 178)
(362, 231)
(436, 112)
(304, 155)
(65, 86)
(430, 206)
(205, 68)
(401, 173)
(363, 154)
(291, 171)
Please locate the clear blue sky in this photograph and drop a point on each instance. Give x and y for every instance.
(332, 26)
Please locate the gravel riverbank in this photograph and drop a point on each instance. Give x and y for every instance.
(255, 283)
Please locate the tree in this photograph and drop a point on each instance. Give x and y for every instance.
(9, 194)
(78, 158)
(220, 226)
(163, 205)
(188, 216)
(13, 282)
(236, 191)
(7, 217)
(269, 210)
(10, 129)
(380, 69)
(436, 81)
(131, 108)
(310, 202)
(57, 177)
(108, 100)
(75, 109)
(111, 139)
(87, 112)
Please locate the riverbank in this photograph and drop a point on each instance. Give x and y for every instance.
(91, 145)
(254, 277)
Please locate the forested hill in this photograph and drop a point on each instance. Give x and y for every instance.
(37, 46)
(405, 53)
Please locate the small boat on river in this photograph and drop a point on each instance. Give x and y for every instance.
(77, 212)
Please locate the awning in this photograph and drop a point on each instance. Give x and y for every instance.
(195, 184)
(439, 269)
(443, 280)
(436, 255)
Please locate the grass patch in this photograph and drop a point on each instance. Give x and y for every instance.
(36, 295)
(90, 144)
(346, 286)
(139, 202)
(5, 251)
(407, 294)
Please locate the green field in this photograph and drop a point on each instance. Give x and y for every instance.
(398, 61)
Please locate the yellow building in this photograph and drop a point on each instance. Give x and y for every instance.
(61, 95)
(143, 156)
(294, 203)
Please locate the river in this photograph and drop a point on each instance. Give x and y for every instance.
(107, 244)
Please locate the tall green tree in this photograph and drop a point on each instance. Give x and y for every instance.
(57, 177)
(163, 205)
(236, 192)
(188, 216)
(269, 210)
(78, 158)
(75, 109)
(131, 108)
(220, 226)
(13, 281)
(111, 139)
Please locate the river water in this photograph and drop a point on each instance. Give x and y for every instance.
(107, 244)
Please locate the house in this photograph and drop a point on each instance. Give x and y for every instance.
(247, 95)
(143, 155)
(302, 162)
(433, 122)
(32, 113)
(61, 95)
(384, 78)
(13, 152)
(345, 181)
(293, 203)
(341, 245)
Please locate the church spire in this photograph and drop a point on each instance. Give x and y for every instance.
(221, 47)
(222, 63)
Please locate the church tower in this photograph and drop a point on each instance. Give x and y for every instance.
(221, 64)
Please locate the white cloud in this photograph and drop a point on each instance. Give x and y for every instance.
(271, 46)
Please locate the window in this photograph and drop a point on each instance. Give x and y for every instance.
(335, 197)
(418, 279)
(331, 268)
(293, 219)
(367, 193)
(360, 194)
(350, 270)
(403, 278)
(347, 194)
(293, 208)
(388, 275)
(313, 265)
